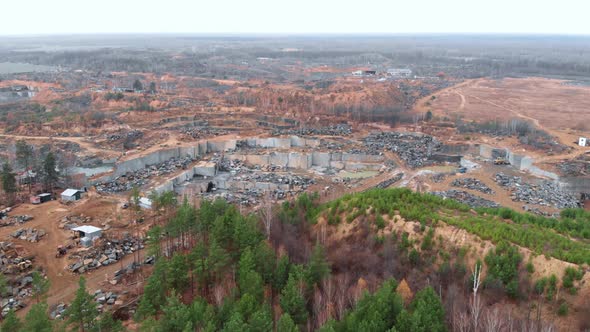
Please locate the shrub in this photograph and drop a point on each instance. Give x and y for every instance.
(563, 309)
(414, 257)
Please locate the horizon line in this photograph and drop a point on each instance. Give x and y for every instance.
(297, 34)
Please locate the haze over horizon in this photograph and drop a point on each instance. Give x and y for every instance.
(301, 17)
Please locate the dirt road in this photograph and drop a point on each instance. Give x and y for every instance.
(88, 146)
(47, 216)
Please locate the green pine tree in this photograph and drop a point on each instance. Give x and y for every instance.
(40, 286)
(37, 319)
(50, 175)
(8, 183)
(292, 300)
(286, 324)
(82, 311)
(25, 158)
(11, 322)
(106, 323)
(318, 267)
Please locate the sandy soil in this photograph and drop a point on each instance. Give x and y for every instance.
(550, 104)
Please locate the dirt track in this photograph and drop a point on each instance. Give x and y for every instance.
(47, 216)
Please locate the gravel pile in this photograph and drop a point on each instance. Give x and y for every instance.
(466, 198)
(387, 183)
(537, 211)
(131, 135)
(577, 167)
(140, 178)
(13, 220)
(28, 234)
(18, 271)
(200, 132)
(414, 149)
(438, 177)
(277, 178)
(472, 183)
(335, 130)
(109, 252)
(546, 193)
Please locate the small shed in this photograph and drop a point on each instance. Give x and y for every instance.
(70, 195)
(41, 198)
(145, 203)
(87, 234)
(582, 141)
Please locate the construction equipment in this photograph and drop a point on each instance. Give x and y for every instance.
(61, 251)
(501, 161)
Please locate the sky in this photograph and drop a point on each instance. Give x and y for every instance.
(294, 16)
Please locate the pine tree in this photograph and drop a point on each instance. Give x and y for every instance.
(292, 300)
(281, 273)
(154, 293)
(318, 267)
(40, 286)
(427, 314)
(50, 175)
(175, 314)
(261, 320)
(178, 272)
(106, 323)
(37, 319)
(82, 311)
(8, 183)
(24, 157)
(11, 322)
(286, 324)
(152, 87)
(137, 86)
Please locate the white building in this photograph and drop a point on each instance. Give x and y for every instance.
(87, 234)
(70, 195)
(399, 72)
(582, 141)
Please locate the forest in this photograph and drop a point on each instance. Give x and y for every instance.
(466, 56)
(220, 270)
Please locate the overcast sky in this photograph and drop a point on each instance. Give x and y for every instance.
(294, 16)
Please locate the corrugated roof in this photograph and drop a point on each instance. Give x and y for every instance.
(70, 192)
(145, 200)
(87, 229)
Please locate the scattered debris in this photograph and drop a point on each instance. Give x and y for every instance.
(12, 220)
(537, 211)
(576, 167)
(387, 183)
(472, 183)
(139, 178)
(28, 234)
(546, 193)
(105, 253)
(439, 177)
(197, 132)
(335, 130)
(414, 149)
(466, 198)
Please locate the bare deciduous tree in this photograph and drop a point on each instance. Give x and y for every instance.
(493, 320)
(476, 307)
(266, 213)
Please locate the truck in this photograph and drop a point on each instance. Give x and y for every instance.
(501, 161)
